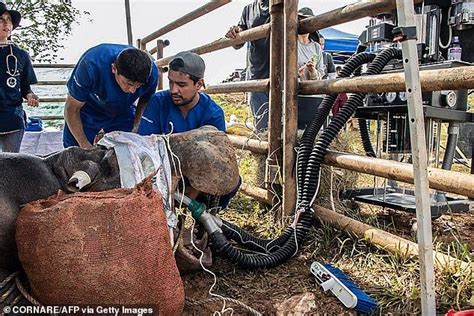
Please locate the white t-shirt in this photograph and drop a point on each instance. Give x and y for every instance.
(311, 52)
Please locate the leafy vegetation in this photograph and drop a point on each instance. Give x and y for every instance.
(44, 25)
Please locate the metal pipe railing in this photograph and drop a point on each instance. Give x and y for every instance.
(50, 117)
(208, 7)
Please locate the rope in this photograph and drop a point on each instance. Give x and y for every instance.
(5, 295)
(25, 293)
(191, 302)
(8, 279)
(11, 289)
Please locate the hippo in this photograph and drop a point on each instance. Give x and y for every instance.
(25, 178)
(207, 160)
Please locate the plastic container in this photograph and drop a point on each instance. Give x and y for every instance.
(455, 50)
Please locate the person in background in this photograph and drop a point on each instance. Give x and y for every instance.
(16, 77)
(310, 54)
(183, 107)
(258, 57)
(103, 89)
(330, 72)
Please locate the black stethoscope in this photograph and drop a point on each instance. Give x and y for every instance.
(11, 80)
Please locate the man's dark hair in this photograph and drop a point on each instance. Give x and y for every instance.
(177, 64)
(134, 64)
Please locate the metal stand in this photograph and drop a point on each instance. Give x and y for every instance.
(406, 16)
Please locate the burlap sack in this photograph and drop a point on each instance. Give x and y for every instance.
(100, 248)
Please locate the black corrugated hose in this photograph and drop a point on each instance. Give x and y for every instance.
(311, 178)
(234, 232)
(450, 147)
(257, 261)
(239, 235)
(364, 128)
(365, 137)
(309, 135)
(304, 216)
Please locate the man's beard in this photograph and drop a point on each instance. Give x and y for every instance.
(183, 102)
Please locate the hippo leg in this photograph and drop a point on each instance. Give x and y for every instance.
(8, 252)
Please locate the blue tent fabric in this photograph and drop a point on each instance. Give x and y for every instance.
(338, 41)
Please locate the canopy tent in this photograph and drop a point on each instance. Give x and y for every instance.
(338, 41)
(340, 44)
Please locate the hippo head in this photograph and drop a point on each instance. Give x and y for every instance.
(80, 169)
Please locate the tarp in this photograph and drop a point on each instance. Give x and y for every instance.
(338, 41)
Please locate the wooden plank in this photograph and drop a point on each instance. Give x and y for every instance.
(254, 145)
(208, 7)
(439, 179)
(406, 18)
(128, 20)
(242, 86)
(160, 45)
(385, 240)
(350, 12)
(275, 109)
(347, 13)
(258, 194)
(290, 102)
(431, 80)
(244, 36)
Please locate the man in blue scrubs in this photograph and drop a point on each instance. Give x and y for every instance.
(183, 108)
(103, 89)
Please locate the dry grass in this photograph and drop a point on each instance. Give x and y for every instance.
(391, 279)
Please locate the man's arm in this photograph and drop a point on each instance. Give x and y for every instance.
(141, 105)
(73, 120)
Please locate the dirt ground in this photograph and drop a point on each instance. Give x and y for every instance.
(266, 290)
(262, 290)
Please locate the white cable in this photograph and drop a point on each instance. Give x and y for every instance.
(331, 196)
(177, 169)
(248, 241)
(317, 188)
(450, 31)
(210, 292)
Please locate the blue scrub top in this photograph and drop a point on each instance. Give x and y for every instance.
(12, 117)
(161, 110)
(93, 82)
